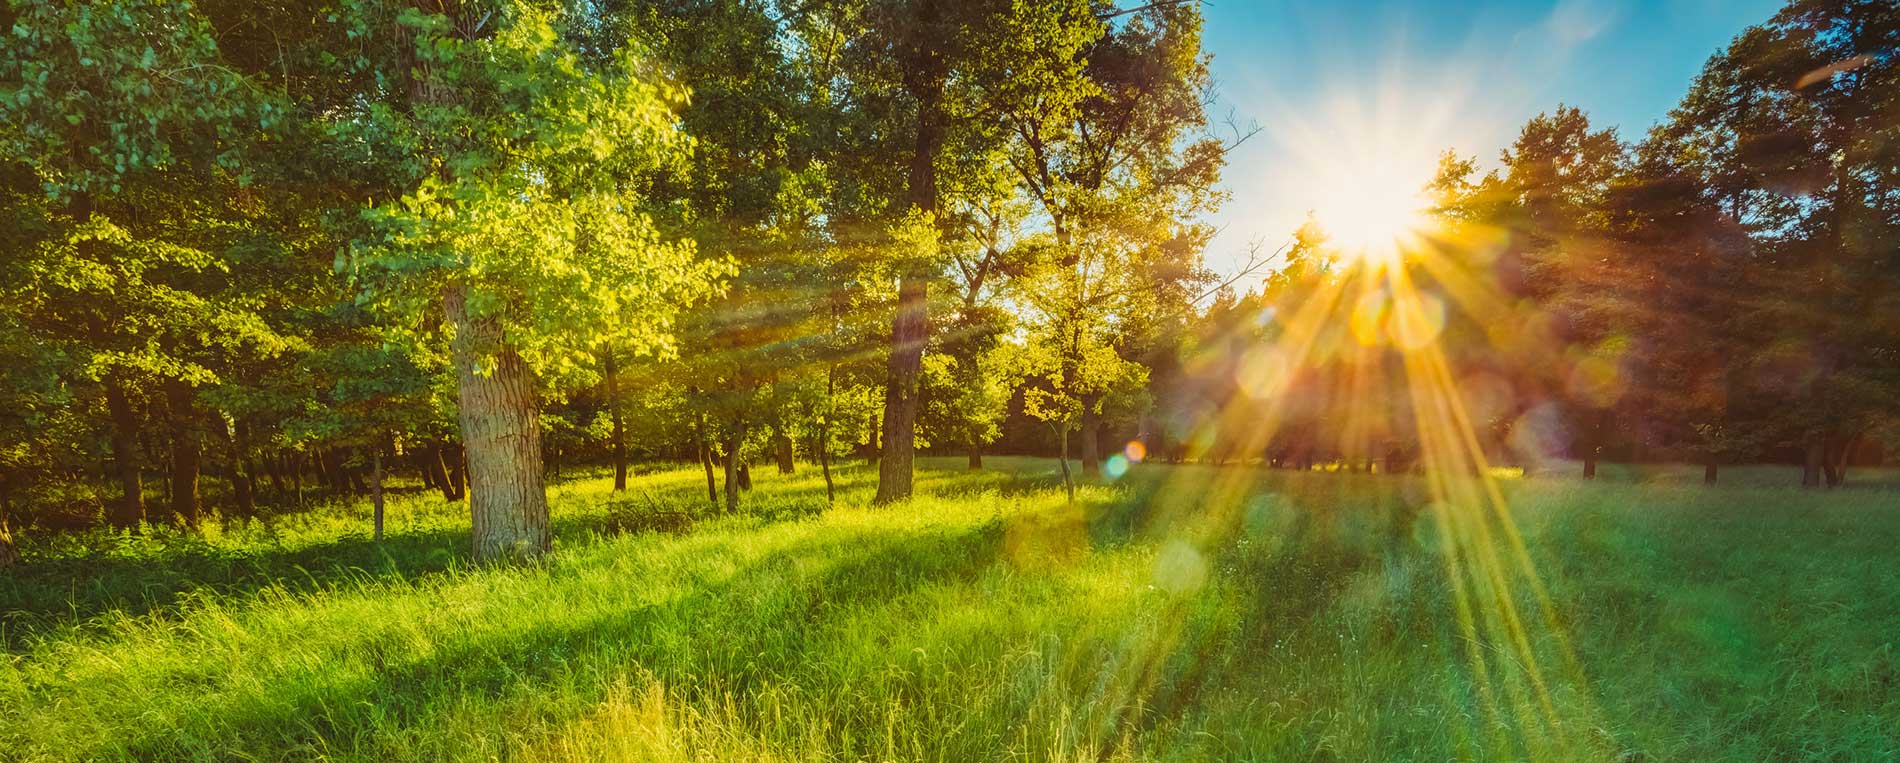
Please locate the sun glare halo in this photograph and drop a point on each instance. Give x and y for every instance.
(1371, 203)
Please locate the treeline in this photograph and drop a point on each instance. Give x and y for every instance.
(256, 252)
(1724, 290)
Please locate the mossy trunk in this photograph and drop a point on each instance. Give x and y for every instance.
(501, 435)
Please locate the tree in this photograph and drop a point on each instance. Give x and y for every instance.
(514, 218)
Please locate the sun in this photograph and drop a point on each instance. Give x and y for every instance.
(1371, 202)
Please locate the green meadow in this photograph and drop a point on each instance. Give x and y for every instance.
(1181, 613)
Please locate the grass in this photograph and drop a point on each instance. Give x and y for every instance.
(1183, 613)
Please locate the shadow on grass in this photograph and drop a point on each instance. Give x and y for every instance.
(749, 628)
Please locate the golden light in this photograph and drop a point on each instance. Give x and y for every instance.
(1370, 199)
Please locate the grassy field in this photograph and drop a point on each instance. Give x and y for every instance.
(1182, 613)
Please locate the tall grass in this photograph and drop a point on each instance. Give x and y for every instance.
(1306, 617)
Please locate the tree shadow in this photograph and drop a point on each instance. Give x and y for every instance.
(779, 596)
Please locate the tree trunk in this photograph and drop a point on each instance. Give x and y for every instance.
(619, 437)
(1709, 470)
(9, 553)
(353, 473)
(706, 460)
(186, 451)
(276, 470)
(423, 469)
(438, 470)
(976, 454)
(1062, 457)
(823, 447)
(458, 470)
(376, 485)
(785, 462)
(1091, 444)
(243, 472)
(733, 441)
(295, 464)
(501, 435)
(924, 77)
(130, 511)
(908, 334)
(1811, 466)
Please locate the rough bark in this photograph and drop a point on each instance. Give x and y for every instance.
(501, 435)
(925, 73)
(908, 334)
(186, 451)
(129, 512)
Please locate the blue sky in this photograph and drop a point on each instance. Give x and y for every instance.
(1395, 82)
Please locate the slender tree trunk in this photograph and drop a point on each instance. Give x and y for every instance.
(501, 435)
(9, 553)
(458, 470)
(1091, 444)
(733, 442)
(1709, 470)
(295, 464)
(186, 451)
(243, 472)
(619, 438)
(130, 510)
(438, 470)
(422, 468)
(275, 466)
(823, 447)
(1811, 467)
(706, 460)
(976, 454)
(376, 483)
(1062, 457)
(354, 473)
